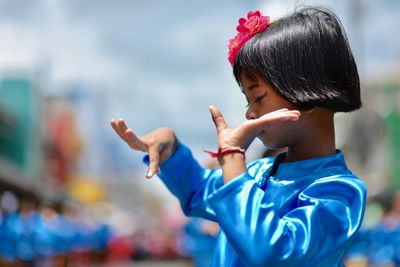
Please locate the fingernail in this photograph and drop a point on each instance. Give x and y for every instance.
(149, 174)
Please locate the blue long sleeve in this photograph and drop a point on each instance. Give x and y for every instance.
(304, 216)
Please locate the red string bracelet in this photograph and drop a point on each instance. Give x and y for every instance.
(225, 150)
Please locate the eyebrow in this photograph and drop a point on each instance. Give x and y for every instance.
(251, 87)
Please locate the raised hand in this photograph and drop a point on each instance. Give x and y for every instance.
(244, 134)
(160, 144)
(234, 164)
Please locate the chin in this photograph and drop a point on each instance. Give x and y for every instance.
(269, 144)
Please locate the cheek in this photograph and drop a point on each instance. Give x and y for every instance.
(271, 136)
(278, 135)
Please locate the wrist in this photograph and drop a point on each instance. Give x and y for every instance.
(226, 150)
(230, 152)
(233, 158)
(232, 165)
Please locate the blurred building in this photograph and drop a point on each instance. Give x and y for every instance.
(21, 136)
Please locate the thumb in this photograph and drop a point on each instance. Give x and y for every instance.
(218, 119)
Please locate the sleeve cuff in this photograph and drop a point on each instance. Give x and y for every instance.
(175, 160)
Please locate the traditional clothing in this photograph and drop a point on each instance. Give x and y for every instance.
(303, 215)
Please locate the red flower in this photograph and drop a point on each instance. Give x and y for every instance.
(235, 44)
(247, 28)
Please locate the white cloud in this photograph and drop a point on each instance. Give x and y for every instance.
(278, 8)
(19, 47)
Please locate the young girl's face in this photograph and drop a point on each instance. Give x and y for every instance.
(262, 99)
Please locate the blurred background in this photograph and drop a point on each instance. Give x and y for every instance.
(73, 194)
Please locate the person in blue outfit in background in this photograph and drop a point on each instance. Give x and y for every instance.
(199, 239)
(25, 227)
(8, 219)
(384, 238)
(303, 207)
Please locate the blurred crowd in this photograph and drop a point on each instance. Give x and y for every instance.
(50, 235)
(377, 244)
(46, 235)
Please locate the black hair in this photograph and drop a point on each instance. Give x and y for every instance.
(306, 58)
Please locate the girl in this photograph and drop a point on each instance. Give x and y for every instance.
(303, 207)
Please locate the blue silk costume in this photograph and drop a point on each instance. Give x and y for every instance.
(305, 215)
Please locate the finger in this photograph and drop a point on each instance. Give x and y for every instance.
(293, 115)
(134, 141)
(273, 117)
(280, 116)
(218, 119)
(279, 110)
(117, 129)
(128, 135)
(122, 125)
(154, 157)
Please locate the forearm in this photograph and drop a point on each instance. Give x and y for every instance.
(189, 182)
(232, 165)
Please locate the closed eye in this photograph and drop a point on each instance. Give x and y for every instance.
(258, 99)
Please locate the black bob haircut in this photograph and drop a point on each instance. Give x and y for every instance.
(306, 58)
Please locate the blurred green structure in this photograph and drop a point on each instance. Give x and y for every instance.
(20, 142)
(16, 123)
(392, 120)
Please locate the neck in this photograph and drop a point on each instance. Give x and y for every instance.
(317, 140)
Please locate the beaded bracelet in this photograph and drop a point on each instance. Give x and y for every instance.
(225, 150)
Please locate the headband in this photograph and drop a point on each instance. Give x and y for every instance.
(247, 28)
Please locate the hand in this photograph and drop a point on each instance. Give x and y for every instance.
(244, 134)
(160, 144)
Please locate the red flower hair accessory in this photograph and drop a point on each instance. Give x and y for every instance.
(247, 28)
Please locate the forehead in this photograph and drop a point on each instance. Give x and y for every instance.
(249, 78)
(250, 82)
(247, 81)
(249, 85)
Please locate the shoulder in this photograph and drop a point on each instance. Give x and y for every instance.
(339, 181)
(345, 188)
(339, 197)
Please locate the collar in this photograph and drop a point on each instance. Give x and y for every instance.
(331, 164)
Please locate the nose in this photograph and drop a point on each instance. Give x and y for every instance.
(251, 114)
